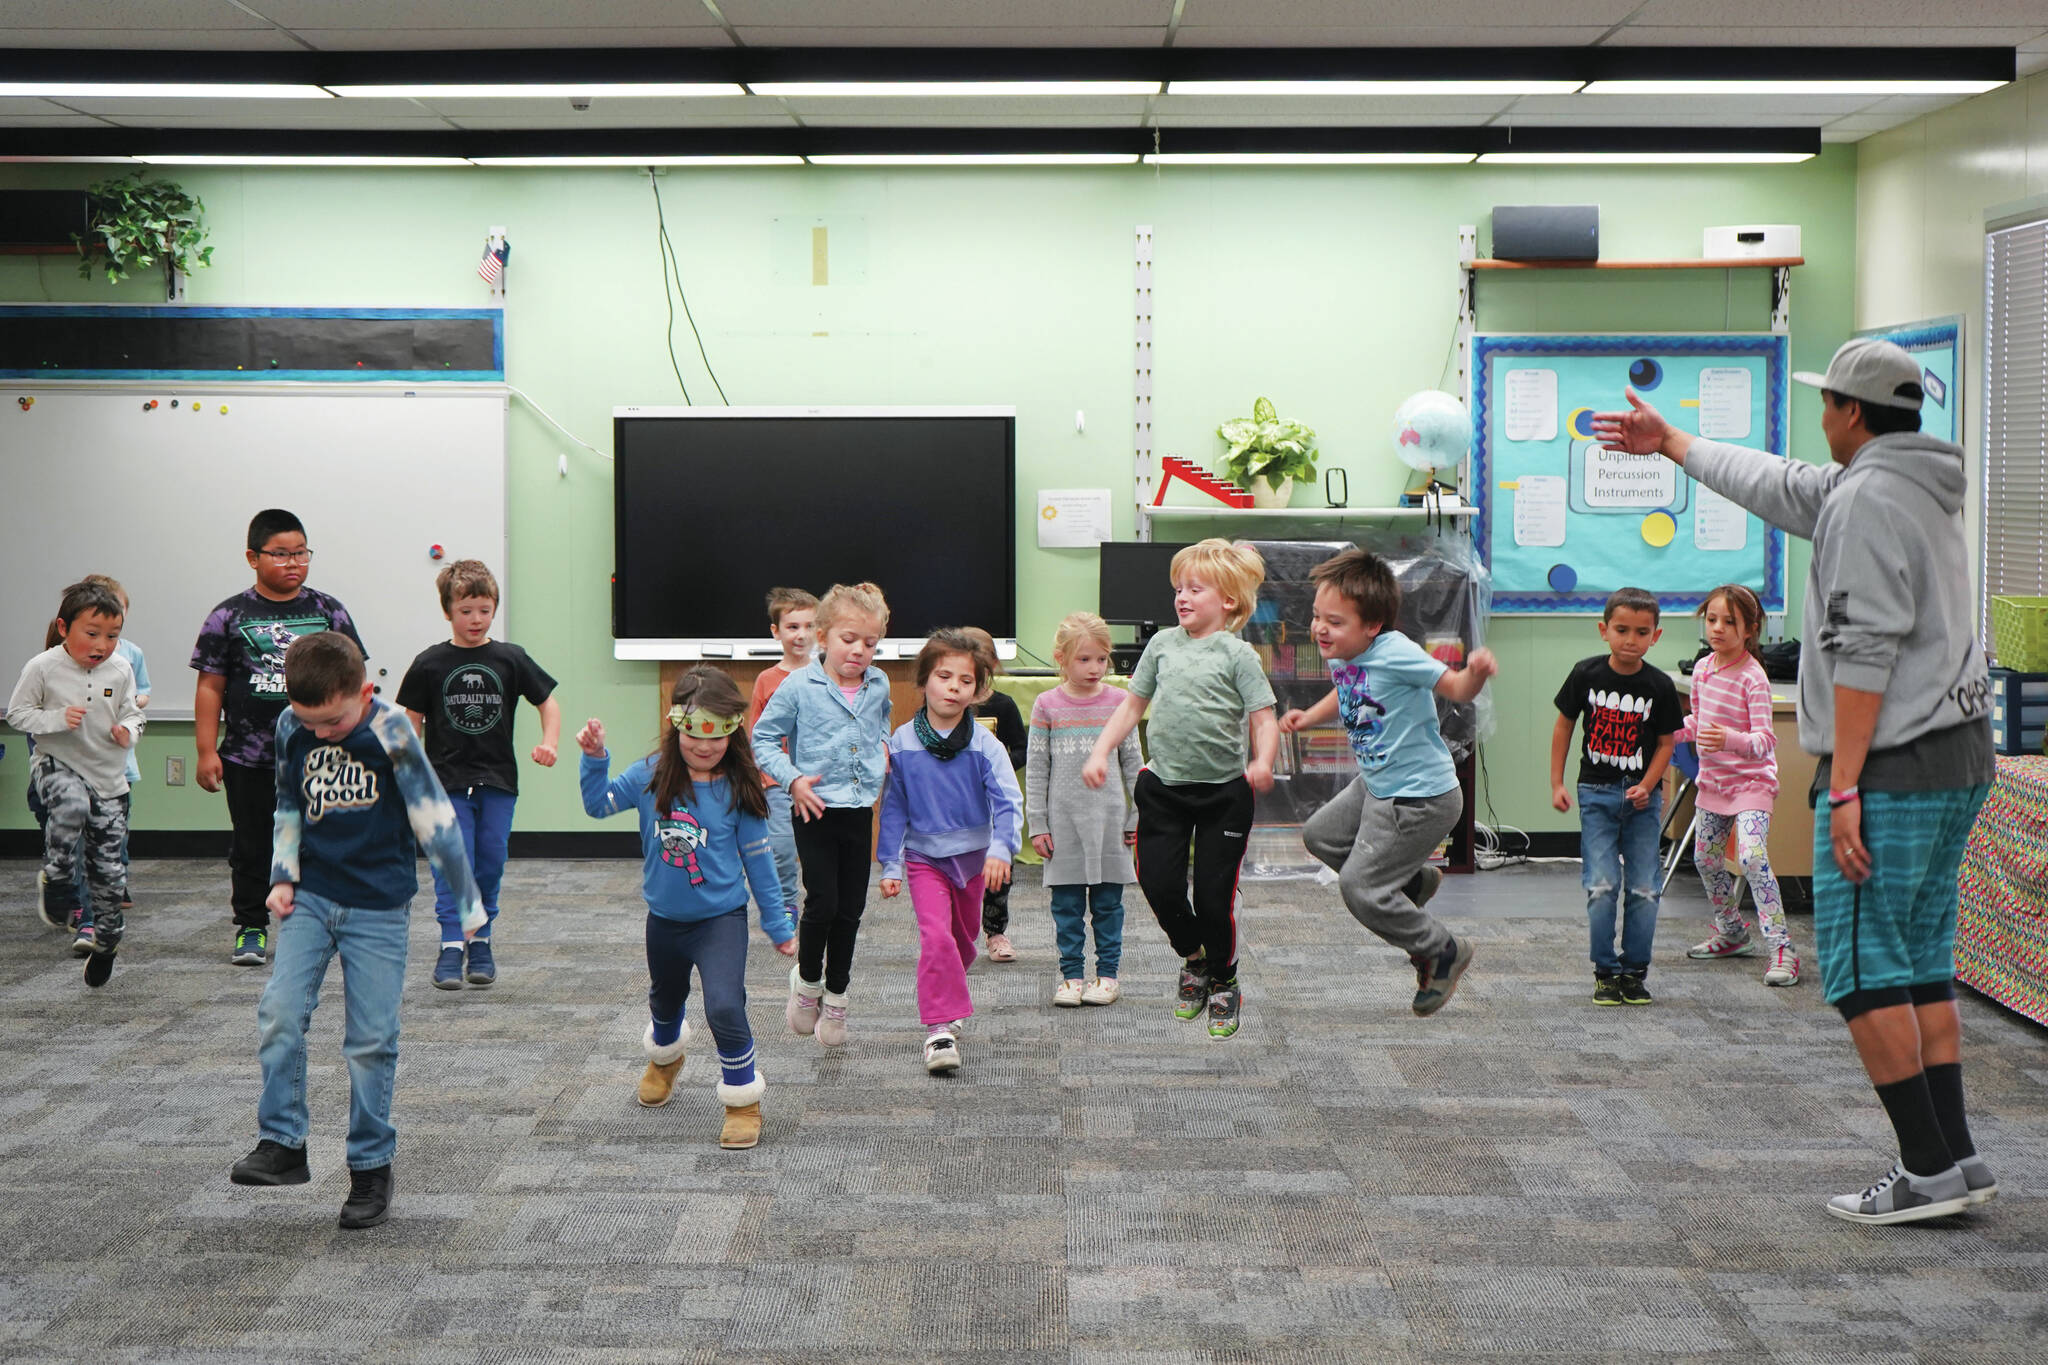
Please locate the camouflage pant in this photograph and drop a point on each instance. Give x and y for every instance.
(84, 824)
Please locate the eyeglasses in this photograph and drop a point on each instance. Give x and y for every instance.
(288, 556)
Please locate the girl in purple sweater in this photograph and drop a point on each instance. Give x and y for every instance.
(1730, 726)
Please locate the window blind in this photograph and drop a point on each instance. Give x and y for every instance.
(2015, 453)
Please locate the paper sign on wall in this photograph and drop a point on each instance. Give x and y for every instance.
(1724, 403)
(1072, 517)
(1615, 478)
(1532, 405)
(1539, 509)
(1718, 524)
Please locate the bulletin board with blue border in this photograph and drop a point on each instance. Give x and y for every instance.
(1562, 521)
(1937, 344)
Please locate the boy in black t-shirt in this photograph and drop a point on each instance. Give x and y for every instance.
(1632, 718)
(461, 697)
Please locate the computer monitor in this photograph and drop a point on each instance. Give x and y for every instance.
(1136, 584)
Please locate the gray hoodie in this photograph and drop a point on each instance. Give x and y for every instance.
(1889, 606)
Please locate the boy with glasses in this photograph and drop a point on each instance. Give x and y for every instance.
(240, 661)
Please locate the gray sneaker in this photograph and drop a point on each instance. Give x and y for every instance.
(1422, 887)
(1436, 978)
(1983, 1185)
(1902, 1197)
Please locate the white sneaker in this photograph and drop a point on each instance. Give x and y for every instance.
(832, 1021)
(1902, 1197)
(1784, 968)
(1069, 994)
(1101, 991)
(1738, 944)
(941, 1053)
(802, 1010)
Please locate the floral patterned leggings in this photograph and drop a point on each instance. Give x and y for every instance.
(1752, 829)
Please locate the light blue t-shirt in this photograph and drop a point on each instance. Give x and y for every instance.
(1386, 695)
(132, 652)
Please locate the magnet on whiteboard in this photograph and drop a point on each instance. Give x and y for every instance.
(435, 552)
(223, 409)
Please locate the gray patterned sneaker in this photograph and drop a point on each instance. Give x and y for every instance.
(1983, 1185)
(1723, 945)
(1902, 1197)
(1436, 979)
(1193, 996)
(1224, 1003)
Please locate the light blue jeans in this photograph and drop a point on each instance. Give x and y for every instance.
(485, 815)
(782, 843)
(1617, 849)
(1072, 906)
(371, 944)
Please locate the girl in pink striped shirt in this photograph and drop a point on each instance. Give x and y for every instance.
(1730, 727)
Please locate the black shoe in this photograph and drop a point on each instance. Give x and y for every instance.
(272, 1163)
(1633, 991)
(1606, 991)
(99, 968)
(369, 1198)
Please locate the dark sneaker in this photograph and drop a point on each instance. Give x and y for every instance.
(1224, 1002)
(483, 969)
(1193, 996)
(1423, 885)
(1436, 979)
(369, 1198)
(1606, 991)
(99, 968)
(1633, 991)
(48, 908)
(1902, 1197)
(252, 945)
(448, 968)
(84, 942)
(272, 1163)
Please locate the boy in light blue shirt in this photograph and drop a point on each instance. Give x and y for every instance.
(1379, 833)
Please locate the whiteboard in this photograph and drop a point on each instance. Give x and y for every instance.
(161, 499)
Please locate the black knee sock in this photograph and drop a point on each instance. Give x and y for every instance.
(1922, 1149)
(1945, 1087)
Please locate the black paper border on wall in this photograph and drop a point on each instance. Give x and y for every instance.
(43, 341)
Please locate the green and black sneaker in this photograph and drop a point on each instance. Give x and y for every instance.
(1224, 1000)
(1633, 991)
(1193, 996)
(1606, 991)
(252, 945)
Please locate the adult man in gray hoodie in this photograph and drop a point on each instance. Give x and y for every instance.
(1894, 700)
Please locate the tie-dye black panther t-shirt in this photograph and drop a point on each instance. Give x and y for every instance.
(244, 641)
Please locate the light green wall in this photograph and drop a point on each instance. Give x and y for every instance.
(1333, 291)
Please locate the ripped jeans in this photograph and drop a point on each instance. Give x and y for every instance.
(1617, 851)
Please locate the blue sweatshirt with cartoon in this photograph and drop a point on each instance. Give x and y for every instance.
(698, 857)
(353, 813)
(841, 742)
(944, 807)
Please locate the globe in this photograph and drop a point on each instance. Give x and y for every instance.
(1432, 430)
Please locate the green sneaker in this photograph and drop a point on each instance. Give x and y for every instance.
(251, 947)
(1224, 1001)
(1606, 991)
(1193, 996)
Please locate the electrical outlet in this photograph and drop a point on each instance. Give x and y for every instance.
(174, 772)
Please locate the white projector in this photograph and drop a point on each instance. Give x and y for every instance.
(1771, 241)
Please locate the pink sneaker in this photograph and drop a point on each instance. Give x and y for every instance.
(804, 1000)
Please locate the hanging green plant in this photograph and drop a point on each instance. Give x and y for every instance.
(136, 225)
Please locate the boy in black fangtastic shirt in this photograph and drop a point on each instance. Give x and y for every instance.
(1632, 717)
(461, 697)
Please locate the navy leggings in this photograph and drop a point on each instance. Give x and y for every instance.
(717, 948)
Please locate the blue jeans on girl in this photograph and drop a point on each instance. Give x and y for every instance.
(485, 814)
(717, 948)
(1617, 850)
(1071, 909)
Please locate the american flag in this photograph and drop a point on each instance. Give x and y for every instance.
(492, 267)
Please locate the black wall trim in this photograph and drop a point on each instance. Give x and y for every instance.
(213, 843)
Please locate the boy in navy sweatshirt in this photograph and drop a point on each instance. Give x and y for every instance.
(356, 799)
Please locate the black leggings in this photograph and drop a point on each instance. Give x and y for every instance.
(835, 850)
(1217, 817)
(252, 810)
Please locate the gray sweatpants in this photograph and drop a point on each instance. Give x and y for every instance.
(1377, 847)
(84, 824)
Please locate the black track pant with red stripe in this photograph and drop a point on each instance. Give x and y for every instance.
(1217, 818)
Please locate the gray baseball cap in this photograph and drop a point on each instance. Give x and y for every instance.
(1871, 371)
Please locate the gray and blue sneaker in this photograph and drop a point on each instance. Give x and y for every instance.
(252, 945)
(483, 969)
(448, 968)
(1436, 978)
(1902, 1197)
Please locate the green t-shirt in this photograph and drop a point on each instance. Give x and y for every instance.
(1201, 692)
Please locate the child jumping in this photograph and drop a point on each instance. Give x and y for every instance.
(951, 818)
(461, 696)
(1379, 832)
(78, 699)
(834, 716)
(1197, 785)
(792, 624)
(1084, 834)
(1632, 718)
(703, 827)
(1730, 726)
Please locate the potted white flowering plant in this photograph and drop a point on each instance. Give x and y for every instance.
(1267, 454)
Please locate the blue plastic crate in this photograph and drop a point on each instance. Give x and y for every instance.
(2019, 711)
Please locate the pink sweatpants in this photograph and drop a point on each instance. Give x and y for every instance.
(948, 923)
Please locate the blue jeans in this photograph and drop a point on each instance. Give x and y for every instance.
(372, 948)
(1617, 848)
(782, 843)
(717, 948)
(1071, 908)
(485, 814)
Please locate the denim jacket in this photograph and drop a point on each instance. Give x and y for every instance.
(845, 745)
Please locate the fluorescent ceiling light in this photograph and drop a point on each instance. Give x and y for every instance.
(947, 89)
(229, 159)
(177, 90)
(1372, 87)
(637, 160)
(1308, 158)
(976, 159)
(73, 160)
(553, 90)
(1643, 158)
(1791, 87)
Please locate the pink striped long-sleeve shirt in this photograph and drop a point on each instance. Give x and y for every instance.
(1743, 774)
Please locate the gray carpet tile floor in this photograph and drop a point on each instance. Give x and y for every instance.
(1524, 1177)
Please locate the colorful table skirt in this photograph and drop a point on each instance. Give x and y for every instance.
(2002, 923)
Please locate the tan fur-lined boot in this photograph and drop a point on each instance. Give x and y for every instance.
(658, 1082)
(742, 1113)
